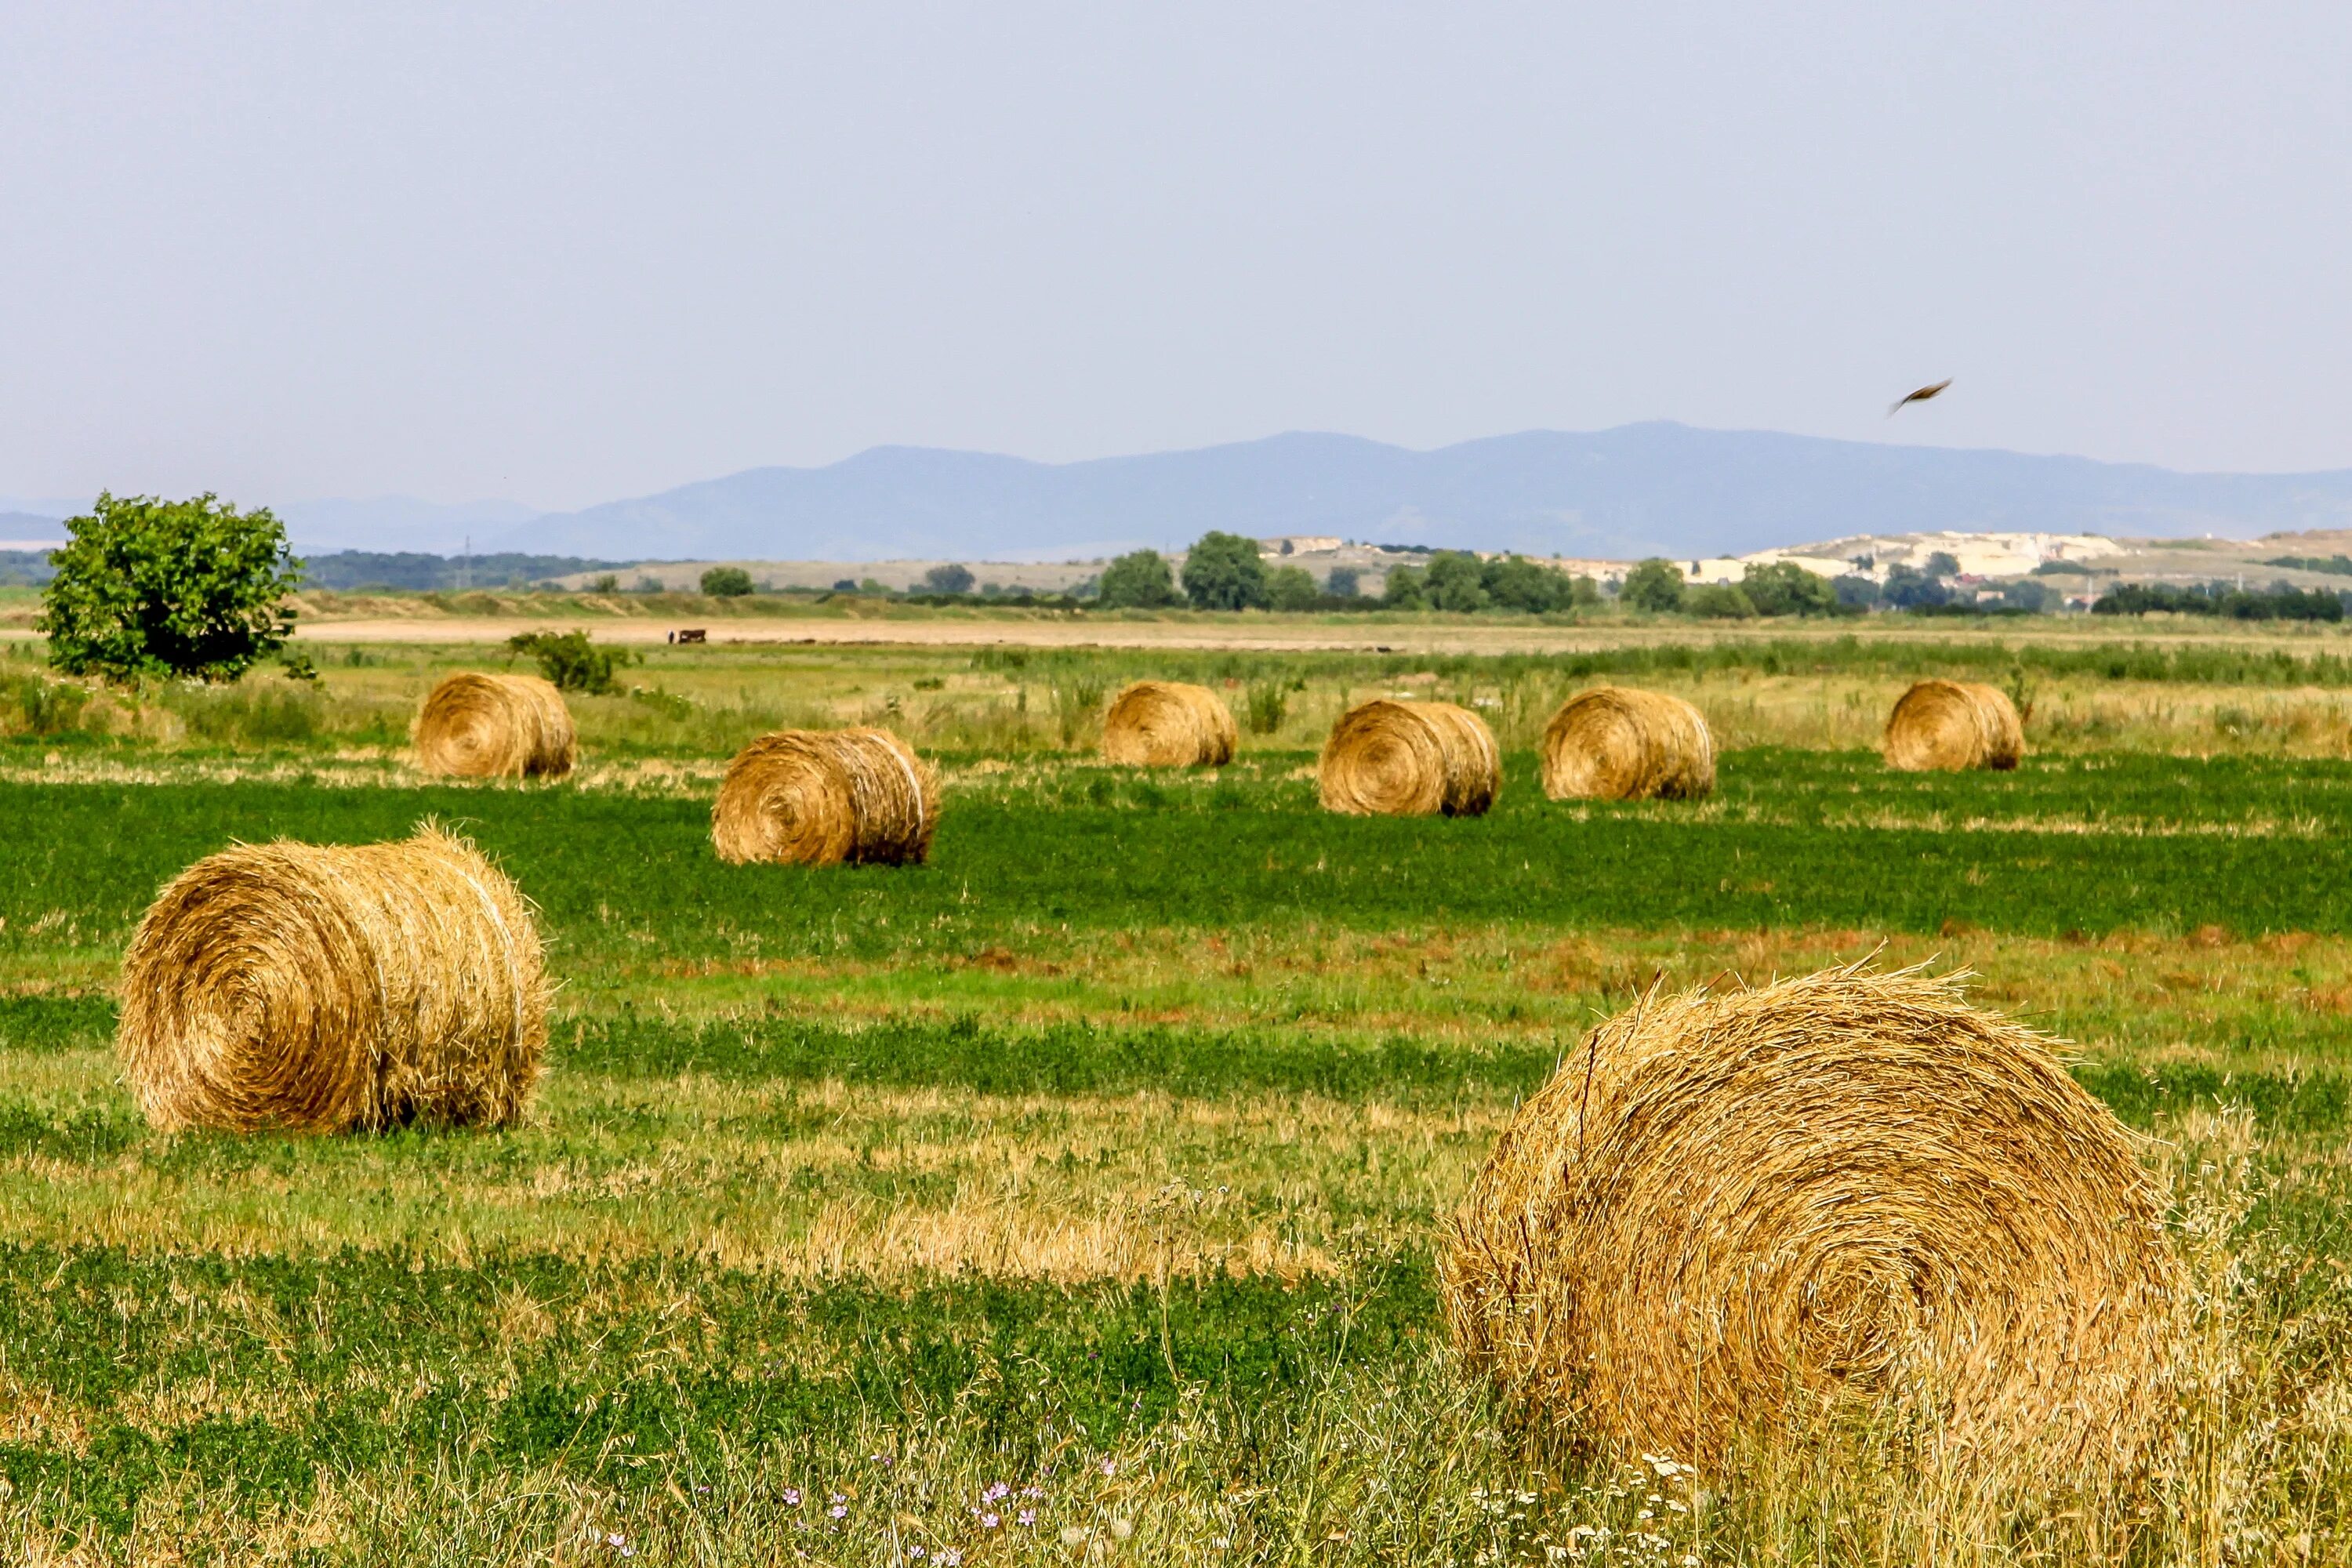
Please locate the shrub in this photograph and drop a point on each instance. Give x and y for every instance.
(1718, 602)
(570, 660)
(949, 578)
(1785, 588)
(1222, 571)
(727, 582)
(1402, 591)
(1655, 585)
(1138, 581)
(1290, 588)
(1343, 582)
(1454, 582)
(155, 588)
(1266, 706)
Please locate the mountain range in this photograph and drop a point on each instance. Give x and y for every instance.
(1650, 488)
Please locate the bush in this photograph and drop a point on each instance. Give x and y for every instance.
(1854, 591)
(727, 582)
(1909, 589)
(1402, 591)
(2280, 603)
(948, 579)
(1291, 588)
(155, 588)
(1222, 571)
(1655, 585)
(570, 660)
(1454, 582)
(1140, 581)
(1267, 705)
(1343, 582)
(1719, 602)
(1785, 588)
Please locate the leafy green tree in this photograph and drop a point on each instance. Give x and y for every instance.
(1455, 582)
(1655, 584)
(1402, 591)
(1785, 588)
(1718, 602)
(1343, 582)
(1515, 582)
(1222, 571)
(1140, 581)
(151, 588)
(727, 582)
(1943, 564)
(569, 659)
(951, 578)
(1291, 588)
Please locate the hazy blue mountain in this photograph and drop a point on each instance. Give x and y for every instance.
(29, 526)
(1639, 489)
(398, 522)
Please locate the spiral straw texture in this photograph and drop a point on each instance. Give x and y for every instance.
(1387, 758)
(320, 989)
(1169, 724)
(495, 726)
(1954, 724)
(1726, 1216)
(1615, 743)
(819, 797)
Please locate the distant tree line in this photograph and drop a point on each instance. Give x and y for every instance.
(2276, 603)
(414, 572)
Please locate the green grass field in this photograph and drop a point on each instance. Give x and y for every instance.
(1075, 1198)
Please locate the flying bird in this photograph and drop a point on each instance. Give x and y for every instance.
(1921, 395)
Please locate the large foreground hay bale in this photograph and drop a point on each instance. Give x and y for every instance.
(495, 726)
(818, 797)
(1387, 758)
(318, 989)
(1169, 724)
(1727, 1216)
(1952, 724)
(1615, 743)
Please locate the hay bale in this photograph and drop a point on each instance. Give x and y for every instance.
(495, 726)
(1726, 1216)
(1615, 743)
(1953, 724)
(320, 989)
(1387, 758)
(819, 797)
(1169, 724)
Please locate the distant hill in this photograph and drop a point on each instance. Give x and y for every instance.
(1653, 488)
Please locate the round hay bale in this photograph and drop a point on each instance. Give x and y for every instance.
(320, 989)
(495, 726)
(1954, 724)
(1387, 758)
(1729, 1216)
(1169, 724)
(1615, 743)
(819, 797)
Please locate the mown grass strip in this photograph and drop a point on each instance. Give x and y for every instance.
(619, 1365)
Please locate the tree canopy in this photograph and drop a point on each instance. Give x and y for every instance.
(151, 588)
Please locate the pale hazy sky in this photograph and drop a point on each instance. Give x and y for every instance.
(567, 252)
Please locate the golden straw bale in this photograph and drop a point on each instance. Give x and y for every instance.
(1169, 724)
(495, 726)
(1730, 1216)
(1387, 758)
(317, 988)
(818, 797)
(1615, 743)
(1951, 724)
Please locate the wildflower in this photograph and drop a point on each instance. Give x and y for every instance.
(839, 1510)
(948, 1557)
(791, 1496)
(1122, 1529)
(994, 1490)
(1025, 1518)
(916, 1551)
(1032, 1492)
(1075, 1534)
(990, 1520)
(1110, 1467)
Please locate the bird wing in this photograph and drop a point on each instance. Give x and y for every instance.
(1921, 395)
